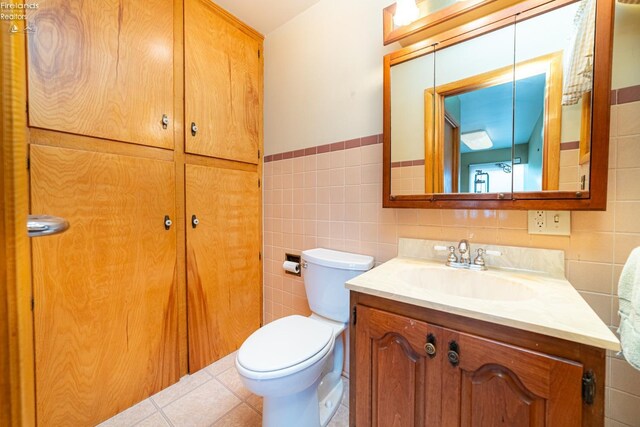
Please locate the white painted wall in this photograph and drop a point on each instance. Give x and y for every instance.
(626, 46)
(323, 75)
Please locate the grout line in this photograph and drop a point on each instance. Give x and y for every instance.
(225, 414)
(182, 395)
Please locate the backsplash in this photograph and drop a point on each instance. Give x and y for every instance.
(546, 261)
(330, 196)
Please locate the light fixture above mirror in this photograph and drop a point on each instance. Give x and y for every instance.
(406, 12)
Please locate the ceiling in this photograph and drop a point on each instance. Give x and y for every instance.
(265, 15)
(490, 109)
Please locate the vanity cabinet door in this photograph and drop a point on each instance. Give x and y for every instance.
(499, 384)
(398, 383)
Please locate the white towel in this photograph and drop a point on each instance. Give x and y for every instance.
(629, 300)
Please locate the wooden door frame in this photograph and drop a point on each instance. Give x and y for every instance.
(16, 318)
(550, 64)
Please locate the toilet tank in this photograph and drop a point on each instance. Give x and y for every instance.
(325, 273)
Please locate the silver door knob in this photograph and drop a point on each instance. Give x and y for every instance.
(45, 225)
(194, 129)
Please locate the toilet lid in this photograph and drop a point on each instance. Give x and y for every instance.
(284, 343)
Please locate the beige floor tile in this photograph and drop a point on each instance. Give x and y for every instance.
(231, 379)
(255, 402)
(132, 415)
(222, 365)
(240, 416)
(182, 387)
(155, 420)
(201, 407)
(340, 418)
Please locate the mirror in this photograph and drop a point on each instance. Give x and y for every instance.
(473, 115)
(503, 111)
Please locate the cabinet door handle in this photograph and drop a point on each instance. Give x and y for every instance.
(45, 225)
(165, 121)
(430, 346)
(167, 222)
(453, 353)
(194, 221)
(194, 129)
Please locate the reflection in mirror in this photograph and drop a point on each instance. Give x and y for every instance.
(408, 82)
(506, 111)
(559, 144)
(485, 128)
(469, 150)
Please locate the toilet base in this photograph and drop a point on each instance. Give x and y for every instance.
(301, 411)
(313, 407)
(330, 392)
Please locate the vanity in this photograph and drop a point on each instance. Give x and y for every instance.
(515, 345)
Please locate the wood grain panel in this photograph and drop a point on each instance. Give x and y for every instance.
(17, 398)
(103, 68)
(223, 84)
(224, 291)
(105, 293)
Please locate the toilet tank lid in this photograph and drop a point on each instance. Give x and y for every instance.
(337, 259)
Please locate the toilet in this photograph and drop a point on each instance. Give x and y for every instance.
(296, 362)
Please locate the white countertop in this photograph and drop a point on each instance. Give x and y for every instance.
(538, 303)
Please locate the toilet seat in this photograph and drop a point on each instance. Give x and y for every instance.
(284, 346)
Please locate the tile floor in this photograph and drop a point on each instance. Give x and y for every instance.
(213, 396)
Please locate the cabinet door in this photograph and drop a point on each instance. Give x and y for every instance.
(496, 384)
(102, 68)
(223, 85)
(398, 383)
(105, 303)
(224, 296)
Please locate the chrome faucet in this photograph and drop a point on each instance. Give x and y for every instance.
(464, 261)
(464, 248)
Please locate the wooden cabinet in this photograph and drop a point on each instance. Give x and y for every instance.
(105, 291)
(223, 260)
(223, 84)
(103, 69)
(123, 306)
(409, 371)
(396, 379)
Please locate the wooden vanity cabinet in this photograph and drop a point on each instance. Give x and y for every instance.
(413, 366)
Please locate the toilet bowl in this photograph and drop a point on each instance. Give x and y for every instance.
(296, 362)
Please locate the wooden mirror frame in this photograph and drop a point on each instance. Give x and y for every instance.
(593, 199)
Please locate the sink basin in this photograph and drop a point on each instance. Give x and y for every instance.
(466, 284)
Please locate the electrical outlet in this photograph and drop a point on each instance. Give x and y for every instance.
(550, 222)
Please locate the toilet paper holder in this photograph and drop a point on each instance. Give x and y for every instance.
(296, 259)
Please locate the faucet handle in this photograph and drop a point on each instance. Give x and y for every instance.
(452, 258)
(479, 259)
